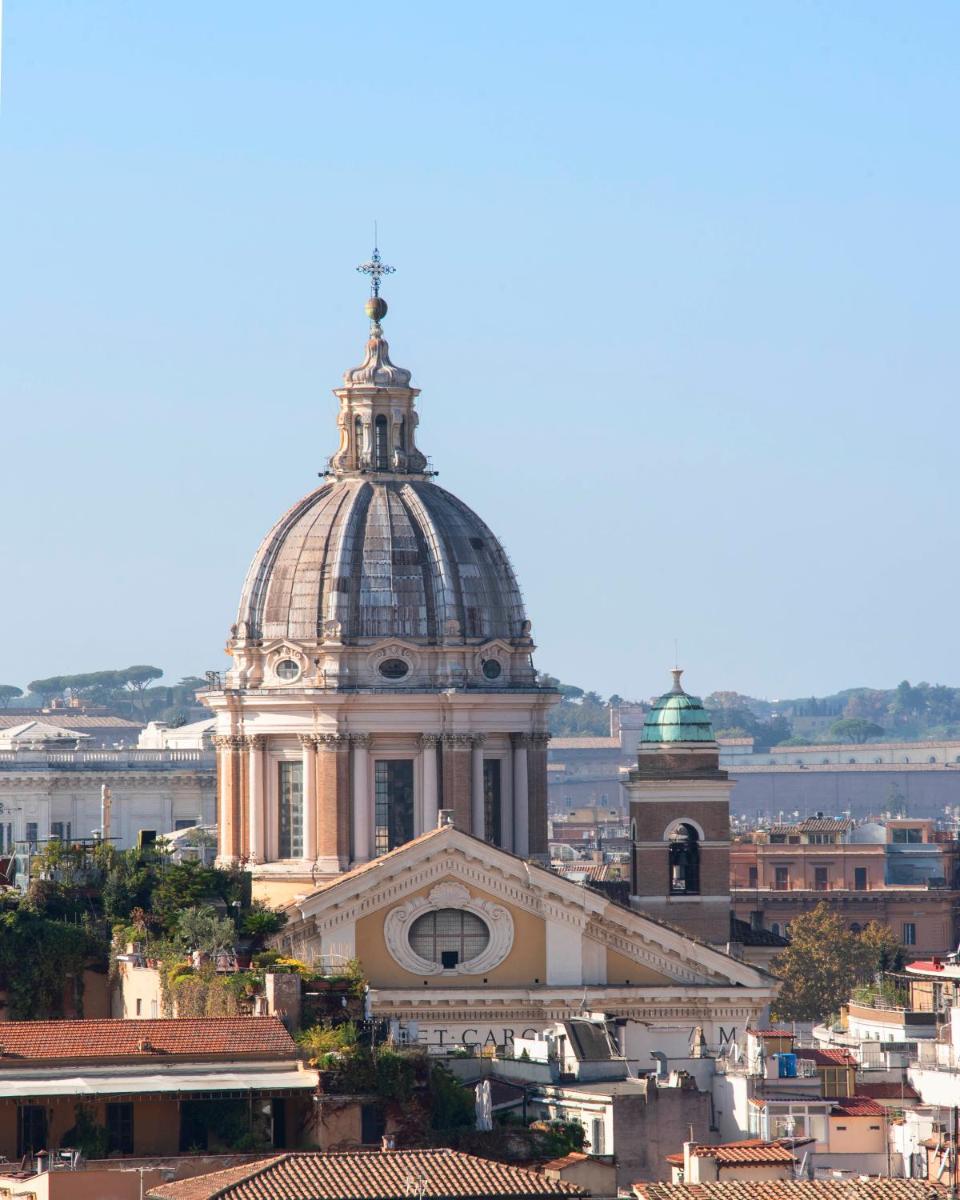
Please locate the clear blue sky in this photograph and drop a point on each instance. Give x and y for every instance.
(678, 281)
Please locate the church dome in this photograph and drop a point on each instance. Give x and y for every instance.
(366, 558)
(379, 551)
(677, 717)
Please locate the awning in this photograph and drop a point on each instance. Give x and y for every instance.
(172, 1083)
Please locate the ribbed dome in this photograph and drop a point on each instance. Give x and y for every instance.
(363, 559)
(677, 717)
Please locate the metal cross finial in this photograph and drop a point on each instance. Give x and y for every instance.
(376, 268)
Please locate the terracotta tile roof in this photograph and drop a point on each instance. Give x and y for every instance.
(367, 1175)
(793, 1189)
(771, 1033)
(569, 1160)
(824, 825)
(827, 1058)
(750, 1152)
(887, 1090)
(857, 1106)
(202, 1037)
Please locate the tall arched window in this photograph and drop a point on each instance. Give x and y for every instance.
(402, 434)
(380, 449)
(684, 861)
(357, 441)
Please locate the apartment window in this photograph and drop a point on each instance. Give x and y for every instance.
(31, 1129)
(32, 834)
(910, 837)
(859, 879)
(120, 1127)
(596, 1138)
(393, 796)
(186, 822)
(820, 878)
(753, 879)
(139, 1006)
(61, 830)
(290, 791)
(909, 933)
(6, 836)
(781, 878)
(492, 806)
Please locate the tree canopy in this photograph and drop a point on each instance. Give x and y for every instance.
(8, 692)
(855, 729)
(825, 961)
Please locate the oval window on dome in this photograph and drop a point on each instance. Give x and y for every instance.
(448, 937)
(287, 669)
(492, 669)
(393, 668)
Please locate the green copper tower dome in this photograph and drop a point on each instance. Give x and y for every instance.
(677, 717)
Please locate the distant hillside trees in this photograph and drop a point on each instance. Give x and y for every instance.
(7, 693)
(855, 729)
(126, 692)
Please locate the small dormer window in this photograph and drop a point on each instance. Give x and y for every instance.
(393, 668)
(492, 669)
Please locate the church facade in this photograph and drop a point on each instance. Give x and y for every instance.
(465, 945)
(382, 665)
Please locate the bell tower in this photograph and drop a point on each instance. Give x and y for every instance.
(680, 819)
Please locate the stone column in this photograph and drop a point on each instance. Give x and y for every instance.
(255, 743)
(428, 774)
(456, 749)
(521, 800)
(537, 789)
(332, 807)
(229, 820)
(362, 823)
(479, 825)
(344, 802)
(309, 752)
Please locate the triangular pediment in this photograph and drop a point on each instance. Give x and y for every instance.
(543, 908)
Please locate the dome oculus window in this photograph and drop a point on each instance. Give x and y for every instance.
(393, 668)
(287, 669)
(492, 669)
(448, 937)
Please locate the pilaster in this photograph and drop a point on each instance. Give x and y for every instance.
(457, 782)
(537, 791)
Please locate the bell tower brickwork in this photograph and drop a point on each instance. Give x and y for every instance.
(680, 830)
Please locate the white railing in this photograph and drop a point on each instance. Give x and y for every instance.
(104, 757)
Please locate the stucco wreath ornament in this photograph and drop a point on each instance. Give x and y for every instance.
(399, 921)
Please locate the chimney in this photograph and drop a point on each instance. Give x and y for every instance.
(756, 920)
(388, 1142)
(444, 817)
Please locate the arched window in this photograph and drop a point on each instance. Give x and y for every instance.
(684, 861)
(357, 440)
(856, 927)
(775, 928)
(380, 449)
(402, 434)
